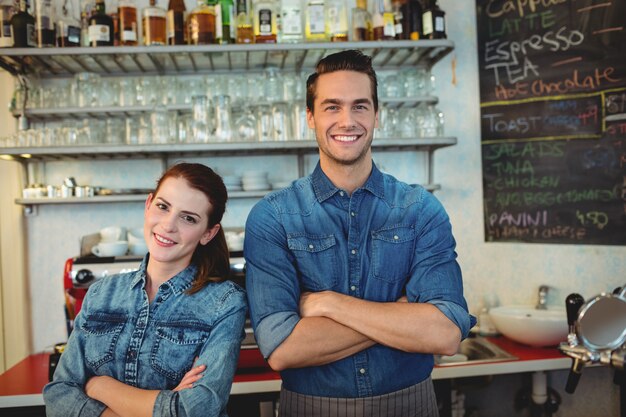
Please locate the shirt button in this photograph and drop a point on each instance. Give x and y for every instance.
(396, 237)
(352, 214)
(353, 288)
(362, 371)
(353, 251)
(310, 246)
(341, 193)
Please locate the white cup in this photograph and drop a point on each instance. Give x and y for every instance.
(135, 235)
(112, 234)
(117, 248)
(138, 248)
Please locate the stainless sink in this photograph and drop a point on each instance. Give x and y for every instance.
(474, 350)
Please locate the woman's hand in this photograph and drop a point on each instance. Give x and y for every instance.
(193, 375)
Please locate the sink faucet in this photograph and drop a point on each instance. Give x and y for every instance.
(543, 294)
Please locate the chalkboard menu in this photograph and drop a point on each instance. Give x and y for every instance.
(553, 120)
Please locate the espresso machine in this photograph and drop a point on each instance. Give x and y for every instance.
(597, 335)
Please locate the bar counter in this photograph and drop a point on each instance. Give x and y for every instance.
(21, 385)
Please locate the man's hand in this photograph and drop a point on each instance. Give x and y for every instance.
(316, 304)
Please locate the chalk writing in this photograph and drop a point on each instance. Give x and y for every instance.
(553, 120)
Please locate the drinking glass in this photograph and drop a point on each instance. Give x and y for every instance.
(201, 126)
(87, 87)
(280, 121)
(144, 130)
(132, 130)
(300, 128)
(223, 118)
(264, 122)
(273, 85)
(245, 125)
(127, 88)
(115, 130)
(391, 86)
(159, 123)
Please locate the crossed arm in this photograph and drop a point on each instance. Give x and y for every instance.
(334, 326)
(124, 400)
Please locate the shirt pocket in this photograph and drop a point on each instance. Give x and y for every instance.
(392, 252)
(317, 261)
(102, 332)
(175, 348)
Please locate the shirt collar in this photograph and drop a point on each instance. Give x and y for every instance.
(179, 283)
(324, 188)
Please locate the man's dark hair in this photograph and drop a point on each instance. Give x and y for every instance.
(350, 60)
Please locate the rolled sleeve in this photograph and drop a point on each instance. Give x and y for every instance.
(457, 314)
(166, 404)
(273, 330)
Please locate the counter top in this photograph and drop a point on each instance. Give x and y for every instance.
(21, 385)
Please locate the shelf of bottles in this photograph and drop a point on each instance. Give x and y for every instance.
(202, 59)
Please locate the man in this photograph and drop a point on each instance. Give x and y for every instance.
(351, 275)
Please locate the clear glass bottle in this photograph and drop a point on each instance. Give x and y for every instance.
(361, 22)
(23, 28)
(6, 12)
(154, 25)
(101, 27)
(291, 22)
(314, 26)
(227, 13)
(44, 23)
(175, 22)
(434, 22)
(265, 25)
(336, 19)
(378, 22)
(127, 12)
(202, 24)
(68, 27)
(244, 33)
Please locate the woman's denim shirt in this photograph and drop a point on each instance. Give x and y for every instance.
(152, 345)
(386, 240)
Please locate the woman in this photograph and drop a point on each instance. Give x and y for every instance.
(164, 340)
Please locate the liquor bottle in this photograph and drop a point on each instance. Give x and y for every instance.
(87, 9)
(291, 22)
(412, 11)
(44, 23)
(6, 12)
(175, 21)
(100, 27)
(23, 28)
(127, 12)
(245, 33)
(116, 21)
(202, 24)
(398, 19)
(314, 26)
(378, 22)
(68, 27)
(227, 10)
(434, 22)
(217, 8)
(265, 25)
(361, 22)
(389, 28)
(153, 23)
(336, 19)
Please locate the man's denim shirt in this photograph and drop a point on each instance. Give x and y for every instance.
(387, 240)
(152, 345)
